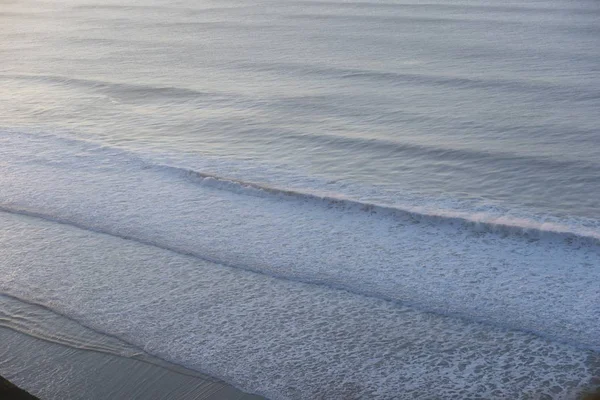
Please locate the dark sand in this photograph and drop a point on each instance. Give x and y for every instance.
(11, 392)
(55, 371)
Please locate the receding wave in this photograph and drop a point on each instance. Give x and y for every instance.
(295, 340)
(44, 323)
(39, 321)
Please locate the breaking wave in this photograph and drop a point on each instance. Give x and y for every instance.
(494, 269)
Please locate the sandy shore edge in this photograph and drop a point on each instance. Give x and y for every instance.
(53, 371)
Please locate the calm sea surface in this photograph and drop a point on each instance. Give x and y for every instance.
(494, 103)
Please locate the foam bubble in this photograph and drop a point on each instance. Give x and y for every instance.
(282, 339)
(542, 284)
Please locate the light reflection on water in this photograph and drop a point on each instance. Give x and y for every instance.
(493, 103)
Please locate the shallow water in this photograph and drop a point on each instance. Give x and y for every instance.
(397, 197)
(275, 337)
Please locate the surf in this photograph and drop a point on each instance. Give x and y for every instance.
(511, 274)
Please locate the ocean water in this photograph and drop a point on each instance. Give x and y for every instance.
(310, 199)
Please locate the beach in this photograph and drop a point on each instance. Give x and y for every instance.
(300, 199)
(57, 371)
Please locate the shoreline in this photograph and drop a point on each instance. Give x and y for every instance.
(31, 367)
(65, 372)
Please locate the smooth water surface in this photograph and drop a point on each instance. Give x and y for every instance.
(470, 104)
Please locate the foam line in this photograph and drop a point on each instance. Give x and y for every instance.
(532, 278)
(478, 222)
(295, 340)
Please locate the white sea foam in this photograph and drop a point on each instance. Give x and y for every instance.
(282, 339)
(442, 157)
(537, 283)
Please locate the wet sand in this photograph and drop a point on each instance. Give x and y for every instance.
(55, 371)
(10, 391)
